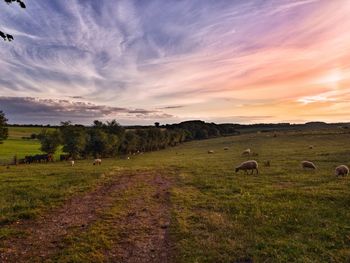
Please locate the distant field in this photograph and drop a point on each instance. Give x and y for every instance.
(15, 145)
(285, 214)
(19, 132)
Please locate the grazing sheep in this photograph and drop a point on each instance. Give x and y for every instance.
(308, 165)
(342, 170)
(210, 151)
(267, 164)
(226, 148)
(248, 166)
(97, 162)
(246, 152)
(72, 162)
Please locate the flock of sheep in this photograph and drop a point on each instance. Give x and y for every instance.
(252, 165)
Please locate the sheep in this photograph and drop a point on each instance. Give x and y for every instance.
(226, 148)
(72, 162)
(342, 170)
(210, 151)
(248, 165)
(308, 165)
(246, 152)
(97, 162)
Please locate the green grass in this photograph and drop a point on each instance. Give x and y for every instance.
(283, 215)
(15, 145)
(19, 132)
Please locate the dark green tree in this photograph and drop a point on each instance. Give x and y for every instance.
(74, 139)
(130, 143)
(3, 127)
(97, 142)
(104, 139)
(50, 141)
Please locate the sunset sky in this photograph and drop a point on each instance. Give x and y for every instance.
(172, 60)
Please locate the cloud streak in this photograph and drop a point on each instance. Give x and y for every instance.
(193, 59)
(59, 110)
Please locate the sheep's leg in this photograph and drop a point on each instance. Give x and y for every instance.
(257, 171)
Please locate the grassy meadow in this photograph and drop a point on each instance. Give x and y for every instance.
(284, 214)
(16, 145)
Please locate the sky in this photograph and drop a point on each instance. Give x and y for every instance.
(167, 61)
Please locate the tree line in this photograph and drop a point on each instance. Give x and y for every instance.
(107, 139)
(110, 138)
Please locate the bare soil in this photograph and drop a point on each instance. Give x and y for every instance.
(145, 226)
(144, 236)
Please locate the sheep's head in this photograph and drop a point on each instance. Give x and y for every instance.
(237, 169)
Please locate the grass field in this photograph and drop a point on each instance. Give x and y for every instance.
(284, 214)
(16, 145)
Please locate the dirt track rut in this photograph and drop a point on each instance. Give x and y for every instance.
(145, 227)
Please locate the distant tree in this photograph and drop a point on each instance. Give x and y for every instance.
(142, 140)
(3, 127)
(4, 35)
(97, 142)
(50, 141)
(98, 124)
(112, 145)
(201, 134)
(104, 139)
(130, 143)
(157, 124)
(74, 138)
(113, 127)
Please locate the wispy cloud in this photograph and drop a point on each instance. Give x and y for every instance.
(201, 59)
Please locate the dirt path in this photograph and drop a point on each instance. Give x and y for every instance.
(145, 228)
(42, 237)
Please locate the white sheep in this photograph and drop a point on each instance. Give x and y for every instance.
(246, 152)
(72, 162)
(97, 162)
(248, 166)
(342, 170)
(210, 151)
(308, 165)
